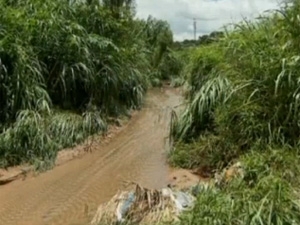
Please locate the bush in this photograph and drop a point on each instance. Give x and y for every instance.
(244, 88)
(268, 194)
(76, 57)
(34, 137)
(243, 104)
(208, 151)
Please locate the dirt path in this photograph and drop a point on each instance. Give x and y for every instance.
(70, 193)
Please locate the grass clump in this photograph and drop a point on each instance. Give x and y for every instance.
(268, 193)
(36, 139)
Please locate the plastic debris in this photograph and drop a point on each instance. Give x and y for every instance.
(125, 206)
(144, 206)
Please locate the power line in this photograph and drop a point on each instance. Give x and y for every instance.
(195, 19)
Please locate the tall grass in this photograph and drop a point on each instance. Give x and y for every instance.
(268, 194)
(35, 138)
(81, 57)
(243, 104)
(245, 88)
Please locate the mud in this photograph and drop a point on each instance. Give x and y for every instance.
(70, 193)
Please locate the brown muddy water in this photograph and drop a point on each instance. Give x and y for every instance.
(70, 193)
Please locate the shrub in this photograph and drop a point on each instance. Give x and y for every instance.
(244, 88)
(266, 195)
(71, 57)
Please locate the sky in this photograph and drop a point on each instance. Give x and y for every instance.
(211, 15)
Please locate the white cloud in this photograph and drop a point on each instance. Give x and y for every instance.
(211, 14)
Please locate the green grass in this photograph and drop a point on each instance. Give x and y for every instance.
(268, 194)
(242, 104)
(35, 137)
(244, 88)
(67, 65)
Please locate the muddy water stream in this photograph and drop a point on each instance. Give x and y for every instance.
(70, 193)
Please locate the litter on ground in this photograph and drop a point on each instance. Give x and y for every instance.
(144, 206)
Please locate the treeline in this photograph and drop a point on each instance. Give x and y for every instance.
(202, 40)
(65, 66)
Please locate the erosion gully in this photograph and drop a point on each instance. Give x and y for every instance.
(70, 193)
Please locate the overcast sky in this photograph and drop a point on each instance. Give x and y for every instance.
(211, 14)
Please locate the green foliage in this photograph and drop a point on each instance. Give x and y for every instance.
(243, 104)
(198, 115)
(203, 40)
(165, 62)
(268, 194)
(78, 56)
(208, 151)
(245, 88)
(171, 65)
(34, 137)
(206, 88)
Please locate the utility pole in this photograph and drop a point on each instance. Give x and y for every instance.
(195, 29)
(195, 23)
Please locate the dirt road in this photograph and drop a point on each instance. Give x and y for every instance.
(70, 193)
